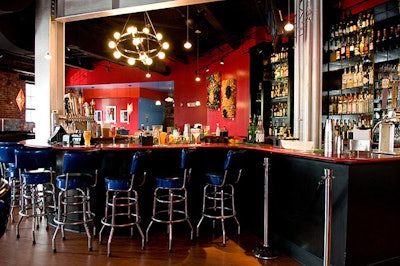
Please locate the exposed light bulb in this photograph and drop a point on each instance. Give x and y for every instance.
(158, 102)
(148, 75)
(187, 45)
(131, 61)
(197, 78)
(289, 27)
(165, 46)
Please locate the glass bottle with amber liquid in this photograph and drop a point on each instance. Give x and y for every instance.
(378, 42)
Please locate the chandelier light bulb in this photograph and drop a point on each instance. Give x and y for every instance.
(159, 36)
(187, 45)
(149, 61)
(146, 30)
(117, 55)
(131, 61)
(161, 55)
(165, 46)
(112, 44)
(136, 41)
(117, 35)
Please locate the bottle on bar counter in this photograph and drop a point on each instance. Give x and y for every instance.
(250, 131)
(260, 133)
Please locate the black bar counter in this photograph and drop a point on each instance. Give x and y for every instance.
(365, 197)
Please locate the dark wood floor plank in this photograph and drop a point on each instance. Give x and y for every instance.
(126, 251)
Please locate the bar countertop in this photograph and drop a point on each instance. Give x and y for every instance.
(346, 158)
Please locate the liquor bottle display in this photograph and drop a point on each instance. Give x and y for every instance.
(280, 94)
(361, 80)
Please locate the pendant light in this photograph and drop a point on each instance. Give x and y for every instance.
(197, 57)
(187, 44)
(289, 26)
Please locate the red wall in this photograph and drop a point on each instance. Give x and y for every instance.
(186, 89)
(357, 6)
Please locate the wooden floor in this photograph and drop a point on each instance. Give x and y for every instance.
(206, 250)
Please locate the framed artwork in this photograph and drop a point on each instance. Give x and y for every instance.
(110, 114)
(98, 116)
(214, 91)
(124, 116)
(228, 104)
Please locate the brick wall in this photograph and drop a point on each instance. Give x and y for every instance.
(10, 115)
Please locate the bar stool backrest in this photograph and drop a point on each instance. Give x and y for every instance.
(187, 163)
(81, 162)
(139, 166)
(233, 166)
(31, 159)
(7, 155)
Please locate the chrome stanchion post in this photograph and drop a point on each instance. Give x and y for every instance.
(327, 178)
(265, 251)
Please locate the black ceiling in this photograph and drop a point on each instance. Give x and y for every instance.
(224, 22)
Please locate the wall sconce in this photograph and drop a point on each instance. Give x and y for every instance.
(129, 108)
(193, 104)
(47, 56)
(222, 61)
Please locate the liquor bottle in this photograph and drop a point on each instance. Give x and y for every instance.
(340, 105)
(366, 44)
(378, 43)
(260, 133)
(385, 44)
(371, 41)
(391, 39)
(343, 49)
(250, 130)
(338, 49)
(356, 46)
(344, 104)
(344, 79)
(351, 48)
(361, 45)
(217, 131)
(348, 48)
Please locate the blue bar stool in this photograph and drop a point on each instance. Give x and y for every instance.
(219, 192)
(122, 205)
(79, 175)
(10, 173)
(35, 168)
(170, 198)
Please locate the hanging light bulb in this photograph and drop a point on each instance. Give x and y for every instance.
(187, 44)
(197, 79)
(289, 26)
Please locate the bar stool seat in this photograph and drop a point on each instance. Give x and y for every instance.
(35, 166)
(122, 205)
(79, 175)
(75, 181)
(219, 192)
(170, 198)
(169, 182)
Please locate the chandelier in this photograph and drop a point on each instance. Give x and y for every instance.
(138, 45)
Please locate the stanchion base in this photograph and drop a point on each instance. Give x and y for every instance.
(265, 252)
